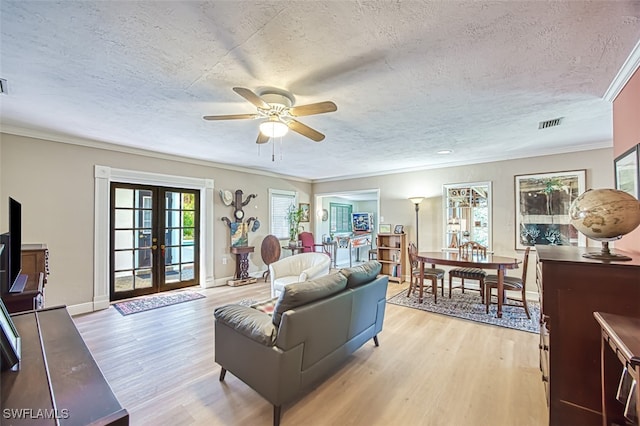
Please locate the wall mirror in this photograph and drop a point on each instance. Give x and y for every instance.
(467, 214)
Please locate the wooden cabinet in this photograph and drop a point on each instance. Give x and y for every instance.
(35, 264)
(392, 254)
(571, 289)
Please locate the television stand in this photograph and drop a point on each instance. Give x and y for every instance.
(19, 284)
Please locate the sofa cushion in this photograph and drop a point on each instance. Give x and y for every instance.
(249, 322)
(362, 274)
(298, 294)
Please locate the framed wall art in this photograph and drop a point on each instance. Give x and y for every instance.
(384, 228)
(305, 212)
(399, 229)
(542, 208)
(627, 171)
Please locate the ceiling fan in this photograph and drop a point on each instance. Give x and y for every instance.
(276, 106)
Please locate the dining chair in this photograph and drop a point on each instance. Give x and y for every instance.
(469, 248)
(431, 274)
(510, 283)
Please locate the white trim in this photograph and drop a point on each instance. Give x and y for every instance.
(104, 175)
(626, 72)
(107, 146)
(82, 308)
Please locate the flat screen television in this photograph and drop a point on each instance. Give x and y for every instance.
(11, 257)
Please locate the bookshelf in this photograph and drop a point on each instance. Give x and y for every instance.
(392, 254)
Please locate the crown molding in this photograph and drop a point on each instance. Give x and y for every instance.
(628, 68)
(89, 143)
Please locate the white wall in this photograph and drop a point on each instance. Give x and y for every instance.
(55, 184)
(395, 190)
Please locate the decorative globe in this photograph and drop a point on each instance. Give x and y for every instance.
(605, 214)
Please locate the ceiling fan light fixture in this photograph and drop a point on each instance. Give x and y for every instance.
(273, 128)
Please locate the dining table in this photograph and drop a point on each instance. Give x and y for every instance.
(454, 258)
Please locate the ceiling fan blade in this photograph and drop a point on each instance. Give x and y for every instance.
(262, 138)
(305, 130)
(318, 108)
(231, 117)
(252, 97)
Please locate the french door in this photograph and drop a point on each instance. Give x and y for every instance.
(154, 239)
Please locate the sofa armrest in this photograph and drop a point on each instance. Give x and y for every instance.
(256, 325)
(315, 271)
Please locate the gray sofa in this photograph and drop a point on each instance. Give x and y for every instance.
(283, 346)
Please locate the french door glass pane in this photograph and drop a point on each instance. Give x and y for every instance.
(123, 240)
(124, 198)
(143, 278)
(180, 231)
(124, 218)
(123, 281)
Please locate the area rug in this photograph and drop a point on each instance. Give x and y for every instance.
(468, 306)
(147, 303)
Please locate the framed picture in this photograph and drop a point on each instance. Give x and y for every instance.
(305, 212)
(628, 172)
(399, 229)
(384, 228)
(542, 208)
(9, 340)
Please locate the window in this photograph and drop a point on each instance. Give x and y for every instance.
(279, 203)
(340, 216)
(467, 214)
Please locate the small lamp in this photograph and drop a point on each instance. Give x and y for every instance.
(273, 127)
(417, 201)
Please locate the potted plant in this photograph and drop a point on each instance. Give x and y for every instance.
(294, 216)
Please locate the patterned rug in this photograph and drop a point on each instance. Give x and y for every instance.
(468, 306)
(147, 303)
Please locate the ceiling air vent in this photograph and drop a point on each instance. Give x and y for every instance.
(549, 123)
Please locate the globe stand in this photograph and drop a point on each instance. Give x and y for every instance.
(605, 254)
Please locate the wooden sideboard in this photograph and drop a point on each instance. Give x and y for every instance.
(35, 264)
(571, 289)
(59, 382)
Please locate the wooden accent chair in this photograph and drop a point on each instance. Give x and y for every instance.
(270, 252)
(432, 274)
(308, 243)
(310, 246)
(470, 248)
(510, 283)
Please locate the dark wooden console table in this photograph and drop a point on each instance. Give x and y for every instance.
(571, 289)
(622, 336)
(59, 382)
(242, 266)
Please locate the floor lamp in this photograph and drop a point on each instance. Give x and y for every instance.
(417, 201)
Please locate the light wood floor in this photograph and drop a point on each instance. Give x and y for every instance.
(428, 370)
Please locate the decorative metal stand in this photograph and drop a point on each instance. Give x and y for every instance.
(239, 238)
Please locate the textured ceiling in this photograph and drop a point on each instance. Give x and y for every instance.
(409, 78)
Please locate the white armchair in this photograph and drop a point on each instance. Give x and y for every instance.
(298, 268)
